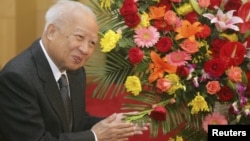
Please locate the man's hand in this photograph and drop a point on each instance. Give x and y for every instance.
(137, 128)
(113, 128)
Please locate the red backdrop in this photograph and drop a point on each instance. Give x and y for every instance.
(108, 106)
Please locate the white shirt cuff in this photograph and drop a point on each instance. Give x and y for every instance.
(94, 135)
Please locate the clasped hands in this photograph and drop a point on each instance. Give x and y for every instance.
(114, 128)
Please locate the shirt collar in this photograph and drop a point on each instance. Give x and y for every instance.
(56, 72)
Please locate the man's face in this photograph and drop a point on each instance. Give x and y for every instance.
(73, 44)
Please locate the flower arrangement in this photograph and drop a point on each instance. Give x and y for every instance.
(183, 61)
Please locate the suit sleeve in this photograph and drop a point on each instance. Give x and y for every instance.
(21, 117)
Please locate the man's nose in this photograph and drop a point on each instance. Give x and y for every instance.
(84, 48)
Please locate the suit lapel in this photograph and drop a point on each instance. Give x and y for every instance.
(49, 83)
(77, 95)
(55, 99)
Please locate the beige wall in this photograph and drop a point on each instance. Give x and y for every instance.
(21, 22)
(7, 30)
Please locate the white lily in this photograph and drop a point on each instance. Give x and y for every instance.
(224, 21)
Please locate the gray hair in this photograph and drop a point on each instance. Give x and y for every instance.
(57, 13)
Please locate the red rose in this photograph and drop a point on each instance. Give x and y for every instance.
(132, 20)
(216, 44)
(225, 94)
(128, 7)
(214, 67)
(191, 17)
(164, 44)
(233, 5)
(204, 33)
(135, 55)
(161, 25)
(129, 13)
(158, 113)
(232, 53)
(214, 3)
(183, 71)
(165, 3)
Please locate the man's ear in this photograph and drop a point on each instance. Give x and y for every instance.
(50, 32)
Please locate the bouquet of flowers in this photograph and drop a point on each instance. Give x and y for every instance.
(180, 62)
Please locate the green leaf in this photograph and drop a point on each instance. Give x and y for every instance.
(247, 34)
(154, 128)
(231, 85)
(196, 6)
(110, 74)
(142, 67)
(125, 42)
(244, 78)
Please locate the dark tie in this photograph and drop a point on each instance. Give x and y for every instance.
(63, 84)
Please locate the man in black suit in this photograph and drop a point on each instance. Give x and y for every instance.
(31, 105)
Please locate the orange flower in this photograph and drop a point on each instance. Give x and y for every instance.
(204, 3)
(213, 87)
(190, 46)
(234, 74)
(188, 30)
(156, 12)
(159, 66)
(170, 17)
(163, 84)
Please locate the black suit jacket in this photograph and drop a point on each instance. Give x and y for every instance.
(31, 108)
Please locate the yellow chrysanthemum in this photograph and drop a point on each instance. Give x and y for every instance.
(106, 3)
(199, 58)
(133, 85)
(145, 20)
(173, 77)
(171, 139)
(232, 37)
(208, 51)
(184, 9)
(198, 104)
(109, 40)
(175, 80)
(178, 138)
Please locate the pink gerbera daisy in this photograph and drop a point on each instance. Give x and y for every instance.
(214, 119)
(146, 36)
(178, 58)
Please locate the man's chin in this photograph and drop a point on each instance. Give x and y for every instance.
(74, 67)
